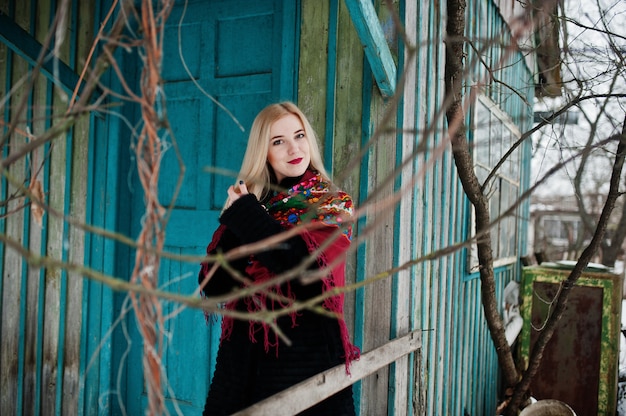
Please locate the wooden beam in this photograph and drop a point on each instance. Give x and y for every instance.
(24, 45)
(323, 385)
(373, 39)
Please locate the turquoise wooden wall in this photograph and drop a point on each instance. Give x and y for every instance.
(42, 323)
(56, 351)
(459, 364)
(457, 370)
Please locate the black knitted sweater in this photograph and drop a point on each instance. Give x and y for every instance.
(245, 372)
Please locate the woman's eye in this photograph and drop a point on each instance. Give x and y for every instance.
(277, 142)
(300, 136)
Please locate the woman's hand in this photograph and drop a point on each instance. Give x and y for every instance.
(234, 193)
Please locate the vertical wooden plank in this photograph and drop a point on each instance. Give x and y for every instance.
(451, 284)
(34, 312)
(349, 102)
(13, 271)
(431, 277)
(472, 362)
(33, 328)
(5, 86)
(79, 175)
(312, 71)
(457, 321)
(27, 116)
(6, 71)
(404, 226)
(94, 354)
(61, 182)
(475, 335)
(464, 361)
(57, 244)
(331, 79)
(378, 295)
(11, 302)
(347, 132)
(5, 80)
(447, 283)
(441, 200)
(74, 288)
(421, 288)
(11, 292)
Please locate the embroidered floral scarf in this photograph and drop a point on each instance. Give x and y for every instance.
(312, 200)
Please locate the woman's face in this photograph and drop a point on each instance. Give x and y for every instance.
(288, 152)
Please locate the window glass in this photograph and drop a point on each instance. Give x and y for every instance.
(481, 136)
(492, 135)
(557, 228)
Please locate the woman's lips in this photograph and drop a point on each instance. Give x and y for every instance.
(295, 161)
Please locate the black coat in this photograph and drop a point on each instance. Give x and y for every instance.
(245, 372)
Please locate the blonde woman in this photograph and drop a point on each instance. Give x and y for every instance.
(282, 184)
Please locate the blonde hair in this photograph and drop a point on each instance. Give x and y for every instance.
(255, 170)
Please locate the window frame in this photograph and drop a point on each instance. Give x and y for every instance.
(509, 172)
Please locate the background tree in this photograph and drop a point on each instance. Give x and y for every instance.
(593, 67)
(580, 86)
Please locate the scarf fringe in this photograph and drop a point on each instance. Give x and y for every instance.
(336, 278)
(257, 303)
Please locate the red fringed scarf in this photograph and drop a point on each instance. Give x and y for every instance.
(311, 200)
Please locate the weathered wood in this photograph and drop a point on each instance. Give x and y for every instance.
(403, 294)
(315, 389)
(11, 291)
(78, 208)
(74, 288)
(378, 300)
(13, 271)
(349, 103)
(313, 67)
(5, 356)
(29, 49)
(347, 121)
(373, 39)
(57, 244)
(33, 326)
(429, 94)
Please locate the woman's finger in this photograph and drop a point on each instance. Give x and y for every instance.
(243, 189)
(232, 194)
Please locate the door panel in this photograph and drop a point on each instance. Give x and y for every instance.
(233, 50)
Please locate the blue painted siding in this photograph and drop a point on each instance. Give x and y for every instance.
(460, 369)
(331, 79)
(42, 298)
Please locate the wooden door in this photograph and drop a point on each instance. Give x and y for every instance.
(241, 53)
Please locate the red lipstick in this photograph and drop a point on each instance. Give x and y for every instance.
(295, 161)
